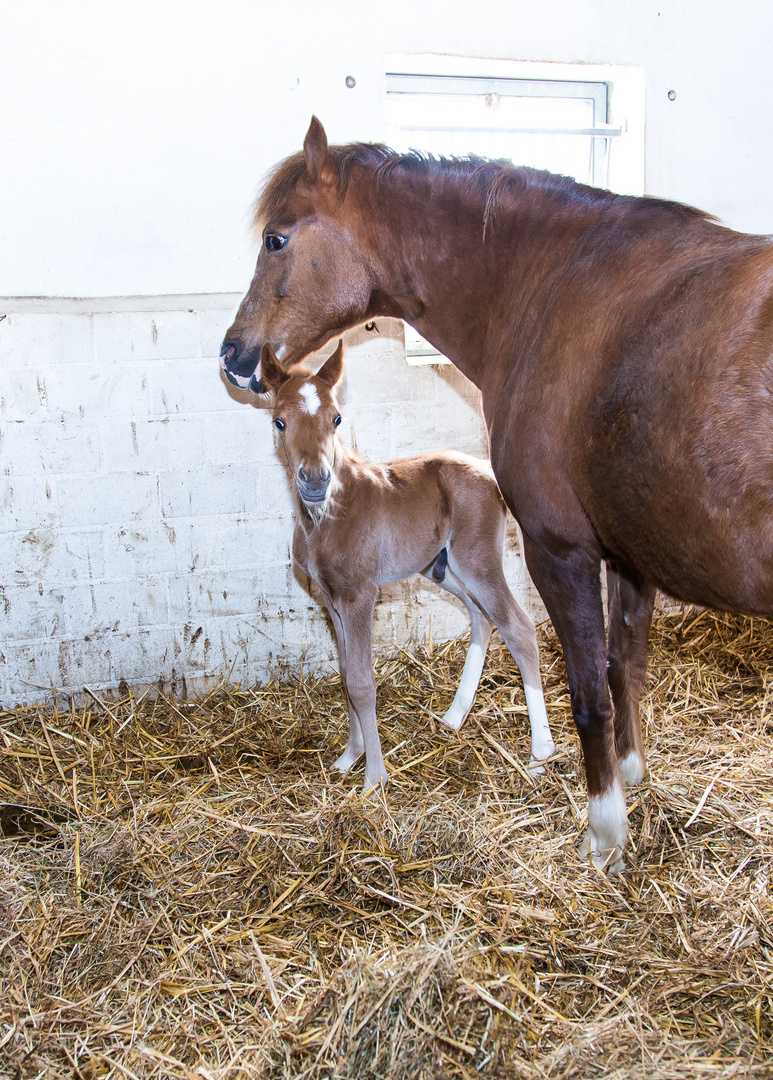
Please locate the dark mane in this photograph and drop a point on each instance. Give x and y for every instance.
(494, 181)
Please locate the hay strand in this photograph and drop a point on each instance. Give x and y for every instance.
(186, 891)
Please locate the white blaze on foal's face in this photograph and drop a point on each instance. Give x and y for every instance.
(306, 413)
(309, 399)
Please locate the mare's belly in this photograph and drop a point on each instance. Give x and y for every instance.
(713, 548)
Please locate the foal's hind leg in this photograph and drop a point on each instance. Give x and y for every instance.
(484, 579)
(476, 653)
(630, 601)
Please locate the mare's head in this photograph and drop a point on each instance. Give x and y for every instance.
(306, 413)
(312, 278)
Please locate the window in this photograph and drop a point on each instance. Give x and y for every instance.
(549, 124)
(585, 121)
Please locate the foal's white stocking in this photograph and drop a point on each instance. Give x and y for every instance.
(355, 748)
(480, 636)
(542, 745)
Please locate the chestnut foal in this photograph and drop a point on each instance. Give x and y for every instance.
(359, 525)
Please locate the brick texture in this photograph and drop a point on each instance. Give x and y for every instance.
(145, 518)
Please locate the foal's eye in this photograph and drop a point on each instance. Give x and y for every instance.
(280, 425)
(337, 420)
(274, 241)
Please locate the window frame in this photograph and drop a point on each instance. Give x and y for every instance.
(617, 92)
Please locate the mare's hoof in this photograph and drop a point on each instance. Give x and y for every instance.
(632, 768)
(611, 860)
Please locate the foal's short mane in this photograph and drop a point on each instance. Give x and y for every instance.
(495, 182)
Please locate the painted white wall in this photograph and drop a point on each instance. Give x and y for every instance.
(144, 518)
(135, 132)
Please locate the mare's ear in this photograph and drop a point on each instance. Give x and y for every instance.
(333, 368)
(319, 164)
(272, 374)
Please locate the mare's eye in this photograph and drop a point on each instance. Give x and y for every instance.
(274, 241)
(280, 425)
(337, 420)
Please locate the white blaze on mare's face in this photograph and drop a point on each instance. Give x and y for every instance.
(310, 397)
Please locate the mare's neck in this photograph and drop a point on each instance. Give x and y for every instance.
(441, 271)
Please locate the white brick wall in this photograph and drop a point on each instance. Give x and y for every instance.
(145, 519)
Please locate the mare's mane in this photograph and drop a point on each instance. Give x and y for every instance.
(495, 182)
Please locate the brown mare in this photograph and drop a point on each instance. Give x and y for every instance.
(359, 525)
(624, 350)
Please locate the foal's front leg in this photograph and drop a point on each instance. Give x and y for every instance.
(356, 745)
(354, 621)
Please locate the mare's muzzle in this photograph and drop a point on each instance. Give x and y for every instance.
(313, 485)
(240, 366)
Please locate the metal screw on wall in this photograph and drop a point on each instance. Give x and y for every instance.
(351, 82)
(672, 95)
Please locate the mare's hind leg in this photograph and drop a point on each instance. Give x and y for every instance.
(484, 579)
(630, 601)
(476, 653)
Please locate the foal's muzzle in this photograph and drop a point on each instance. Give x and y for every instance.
(240, 365)
(313, 485)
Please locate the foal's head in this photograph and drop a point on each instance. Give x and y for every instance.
(307, 414)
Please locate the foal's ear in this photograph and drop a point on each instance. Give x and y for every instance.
(319, 164)
(333, 368)
(272, 374)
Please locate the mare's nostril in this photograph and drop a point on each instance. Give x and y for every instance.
(229, 351)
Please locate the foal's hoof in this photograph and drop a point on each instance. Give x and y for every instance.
(537, 764)
(454, 718)
(344, 763)
(377, 782)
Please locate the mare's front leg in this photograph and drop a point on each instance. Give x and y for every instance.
(570, 588)
(353, 618)
(630, 600)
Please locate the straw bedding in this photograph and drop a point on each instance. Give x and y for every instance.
(187, 891)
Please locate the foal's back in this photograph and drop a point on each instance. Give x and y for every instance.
(388, 521)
